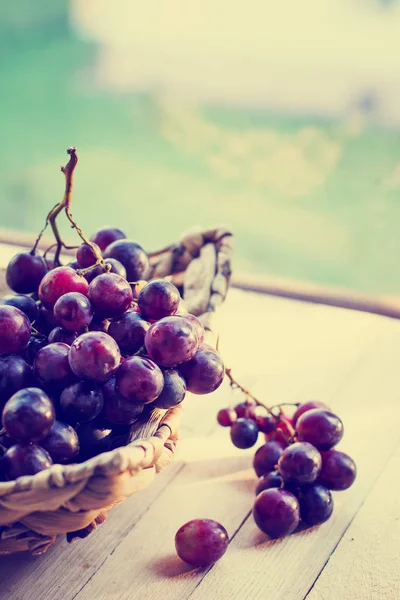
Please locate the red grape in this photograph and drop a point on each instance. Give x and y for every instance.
(51, 364)
(316, 504)
(106, 236)
(74, 311)
(198, 326)
(277, 436)
(15, 374)
(300, 463)
(15, 330)
(171, 341)
(265, 422)
(132, 256)
(226, 416)
(58, 334)
(61, 443)
(321, 428)
(28, 415)
(139, 380)
(81, 402)
(338, 470)
(174, 390)
(244, 433)
(306, 407)
(204, 373)
(86, 256)
(267, 481)
(201, 542)
(94, 355)
(129, 331)
(58, 282)
(276, 512)
(158, 299)
(266, 458)
(117, 409)
(242, 409)
(25, 303)
(110, 294)
(116, 267)
(24, 272)
(24, 459)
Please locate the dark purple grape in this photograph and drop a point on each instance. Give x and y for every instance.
(25, 303)
(174, 390)
(197, 325)
(139, 380)
(201, 542)
(110, 295)
(24, 272)
(81, 402)
(94, 355)
(171, 341)
(74, 311)
(106, 236)
(321, 428)
(93, 440)
(266, 458)
(97, 325)
(15, 374)
(28, 415)
(316, 504)
(132, 256)
(276, 512)
(306, 406)
(158, 299)
(243, 408)
(35, 343)
(226, 416)
(23, 459)
(58, 282)
(73, 264)
(61, 443)
(265, 422)
(244, 433)
(51, 364)
(117, 409)
(46, 321)
(116, 267)
(300, 463)
(59, 334)
(129, 331)
(267, 481)
(204, 373)
(15, 330)
(86, 255)
(338, 470)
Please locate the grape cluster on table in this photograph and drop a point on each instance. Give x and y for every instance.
(85, 352)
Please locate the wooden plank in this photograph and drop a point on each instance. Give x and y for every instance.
(286, 569)
(366, 564)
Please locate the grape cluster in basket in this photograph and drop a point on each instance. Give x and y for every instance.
(87, 349)
(297, 466)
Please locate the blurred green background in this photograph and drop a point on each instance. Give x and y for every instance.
(310, 195)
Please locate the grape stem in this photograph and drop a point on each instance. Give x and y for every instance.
(238, 386)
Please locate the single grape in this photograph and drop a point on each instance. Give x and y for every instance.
(244, 433)
(132, 256)
(25, 303)
(265, 422)
(86, 255)
(93, 440)
(110, 295)
(15, 374)
(61, 443)
(97, 325)
(74, 311)
(24, 272)
(171, 341)
(316, 504)
(338, 470)
(204, 373)
(276, 512)
(24, 459)
(116, 267)
(129, 331)
(139, 380)
(266, 458)
(15, 330)
(106, 236)
(198, 326)
(321, 428)
(58, 282)
(201, 542)
(59, 334)
(267, 481)
(158, 299)
(117, 409)
(46, 321)
(243, 408)
(94, 355)
(28, 415)
(279, 437)
(51, 365)
(36, 342)
(173, 391)
(300, 463)
(226, 417)
(306, 406)
(81, 402)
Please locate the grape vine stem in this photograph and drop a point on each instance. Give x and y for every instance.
(238, 386)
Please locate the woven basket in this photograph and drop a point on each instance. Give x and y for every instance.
(73, 499)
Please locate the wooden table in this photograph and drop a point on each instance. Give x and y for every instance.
(285, 351)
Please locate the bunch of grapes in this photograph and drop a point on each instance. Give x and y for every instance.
(298, 466)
